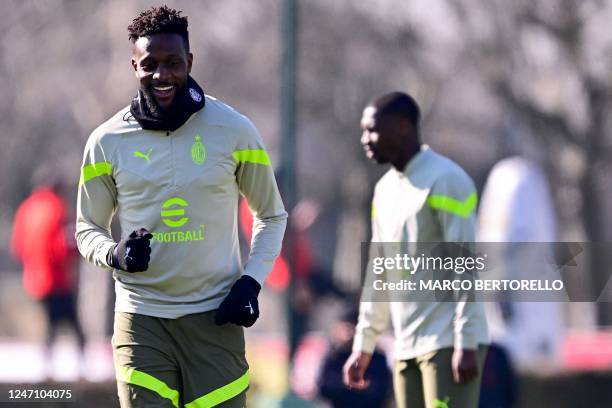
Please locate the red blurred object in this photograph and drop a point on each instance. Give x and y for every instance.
(39, 242)
(587, 351)
(279, 278)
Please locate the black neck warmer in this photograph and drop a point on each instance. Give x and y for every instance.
(188, 100)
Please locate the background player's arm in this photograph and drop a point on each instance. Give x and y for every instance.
(454, 200)
(373, 321)
(255, 178)
(373, 317)
(96, 203)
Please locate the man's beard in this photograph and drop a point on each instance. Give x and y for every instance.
(378, 158)
(160, 112)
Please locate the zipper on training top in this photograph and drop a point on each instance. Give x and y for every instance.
(172, 168)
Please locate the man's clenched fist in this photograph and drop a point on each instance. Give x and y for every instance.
(133, 253)
(240, 306)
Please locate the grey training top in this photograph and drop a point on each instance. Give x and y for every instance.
(432, 200)
(183, 186)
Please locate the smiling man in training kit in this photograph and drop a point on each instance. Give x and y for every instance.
(173, 164)
(424, 197)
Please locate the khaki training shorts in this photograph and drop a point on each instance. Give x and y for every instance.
(186, 362)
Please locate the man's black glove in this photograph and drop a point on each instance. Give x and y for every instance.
(133, 253)
(240, 306)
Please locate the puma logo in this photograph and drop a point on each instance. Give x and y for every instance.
(140, 154)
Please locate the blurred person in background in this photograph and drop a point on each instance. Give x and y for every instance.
(330, 382)
(499, 381)
(174, 163)
(517, 208)
(47, 252)
(425, 197)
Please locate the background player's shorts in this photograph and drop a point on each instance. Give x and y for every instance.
(427, 382)
(60, 307)
(188, 362)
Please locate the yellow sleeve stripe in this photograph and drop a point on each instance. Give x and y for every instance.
(461, 208)
(252, 156)
(95, 170)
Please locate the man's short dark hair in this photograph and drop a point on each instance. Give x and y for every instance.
(398, 104)
(159, 20)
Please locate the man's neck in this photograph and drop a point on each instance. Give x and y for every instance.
(404, 157)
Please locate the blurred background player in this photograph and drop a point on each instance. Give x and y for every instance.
(439, 346)
(516, 209)
(330, 383)
(41, 243)
(499, 388)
